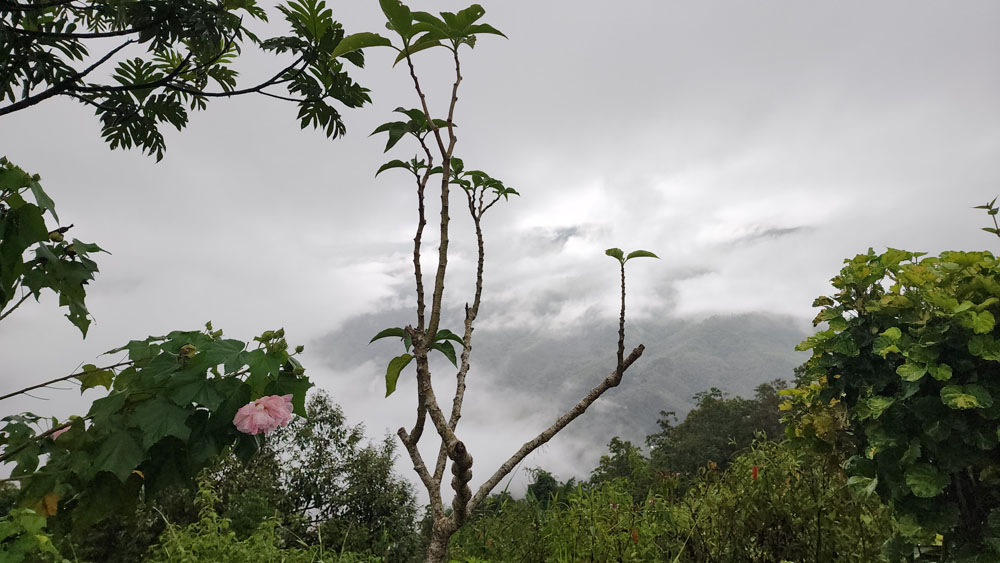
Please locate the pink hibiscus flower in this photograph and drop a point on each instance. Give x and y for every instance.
(264, 415)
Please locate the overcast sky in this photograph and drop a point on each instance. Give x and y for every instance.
(752, 145)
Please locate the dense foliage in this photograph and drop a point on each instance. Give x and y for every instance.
(905, 377)
(772, 504)
(166, 57)
(716, 429)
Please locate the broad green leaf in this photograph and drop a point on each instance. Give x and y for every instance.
(158, 418)
(940, 372)
(392, 164)
(445, 334)
(983, 323)
(878, 404)
(640, 254)
(925, 480)
(92, 377)
(425, 42)
(294, 385)
(911, 371)
(982, 396)
(395, 331)
(398, 15)
(963, 306)
(484, 28)
(119, 454)
(616, 253)
(893, 333)
(396, 365)
(357, 41)
(845, 345)
(263, 369)
(448, 349)
(194, 388)
(957, 397)
(43, 199)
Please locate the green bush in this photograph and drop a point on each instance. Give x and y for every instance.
(795, 506)
(212, 538)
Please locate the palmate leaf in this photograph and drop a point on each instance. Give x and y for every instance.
(92, 377)
(158, 418)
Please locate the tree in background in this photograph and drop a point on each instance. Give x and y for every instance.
(715, 430)
(626, 463)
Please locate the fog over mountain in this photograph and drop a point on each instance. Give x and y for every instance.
(521, 380)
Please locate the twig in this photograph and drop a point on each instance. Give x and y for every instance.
(15, 306)
(64, 378)
(610, 381)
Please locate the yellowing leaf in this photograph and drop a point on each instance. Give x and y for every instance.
(48, 504)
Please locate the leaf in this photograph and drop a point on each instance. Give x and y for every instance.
(263, 368)
(92, 377)
(424, 43)
(616, 253)
(925, 480)
(893, 333)
(395, 331)
(983, 323)
(878, 404)
(357, 41)
(940, 372)
(45, 203)
(158, 418)
(398, 15)
(396, 365)
(485, 28)
(640, 254)
(448, 349)
(119, 454)
(294, 385)
(961, 397)
(445, 334)
(392, 164)
(911, 371)
(194, 388)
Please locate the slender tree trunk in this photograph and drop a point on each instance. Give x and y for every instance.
(437, 550)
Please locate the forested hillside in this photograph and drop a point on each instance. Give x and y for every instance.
(540, 371)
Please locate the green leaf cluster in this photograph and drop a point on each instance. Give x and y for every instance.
(166, 416)
(905, 378)
(34, 257)
(442, 343)
(421, 30)
(188, 48)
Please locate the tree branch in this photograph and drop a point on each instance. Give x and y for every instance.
(610, 381)
(64, 378)
(89, 35)
(63, 85)
(16, 305)
(30, 7)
